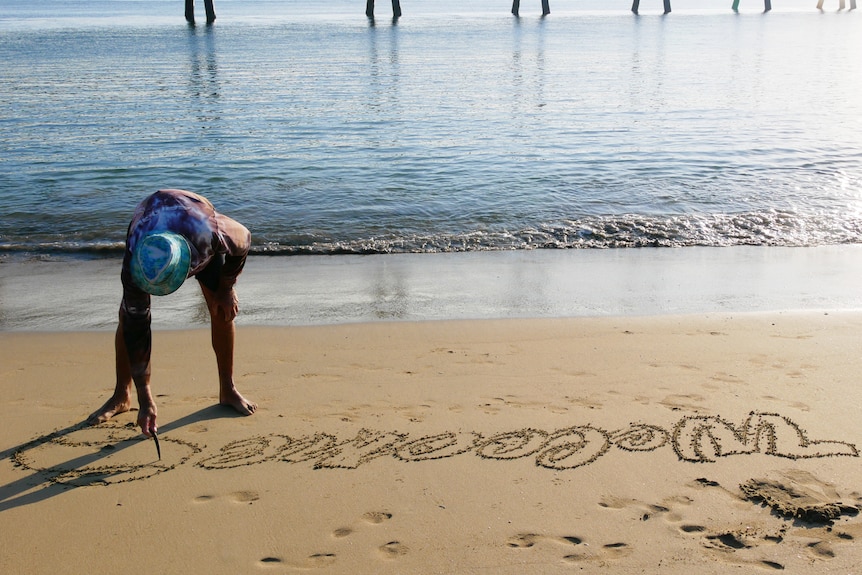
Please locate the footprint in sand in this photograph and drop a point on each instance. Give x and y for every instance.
(236, 497)
(810, 517)
(316, 561)
(392, 550)
(526, 540)
(684, 402)
(244, 496)
(821, 550)
(321, 560)
(376, 517)
(606, 552)
(646, 511)
(730, 543)
(728, 540)
(585, 552)
(389, 550)
(523, 540)
(370, 518)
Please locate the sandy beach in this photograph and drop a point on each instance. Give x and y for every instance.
(708, 441)
(526, 295)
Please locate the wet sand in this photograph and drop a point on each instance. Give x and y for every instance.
(314, 290)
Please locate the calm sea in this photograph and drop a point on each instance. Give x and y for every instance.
(457, 128)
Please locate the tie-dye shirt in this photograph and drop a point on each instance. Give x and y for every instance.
(218, 245)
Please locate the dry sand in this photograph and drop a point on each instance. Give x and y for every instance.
(672, 444)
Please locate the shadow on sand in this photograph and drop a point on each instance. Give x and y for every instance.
(45, 482)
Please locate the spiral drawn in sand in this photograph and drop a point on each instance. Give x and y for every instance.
(440, 446)
(640, 437)
(573, 447)
(512, 444)
(102, 455)
(110, 453)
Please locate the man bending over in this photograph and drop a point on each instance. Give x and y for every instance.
(175, 235)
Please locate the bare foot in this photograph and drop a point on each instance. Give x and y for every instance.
(112, 407)
(238, 402)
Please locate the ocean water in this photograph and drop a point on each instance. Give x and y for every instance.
(456, 128)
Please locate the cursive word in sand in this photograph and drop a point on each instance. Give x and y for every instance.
(693, 438)
(110, 454)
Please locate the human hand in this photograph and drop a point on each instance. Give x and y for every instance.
(147, 420)
(223, 303)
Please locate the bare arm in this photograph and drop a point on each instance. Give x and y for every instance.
(235, 240)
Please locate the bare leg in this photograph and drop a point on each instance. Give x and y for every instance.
(121, 401)
(223, 336)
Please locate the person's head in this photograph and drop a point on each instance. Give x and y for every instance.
(160, 262)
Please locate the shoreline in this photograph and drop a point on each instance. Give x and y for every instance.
(325, 290)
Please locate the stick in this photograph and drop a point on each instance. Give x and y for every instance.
(158, 449)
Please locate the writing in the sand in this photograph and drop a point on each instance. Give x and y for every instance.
(110, 453)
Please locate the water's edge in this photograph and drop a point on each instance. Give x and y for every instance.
(313, 290)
